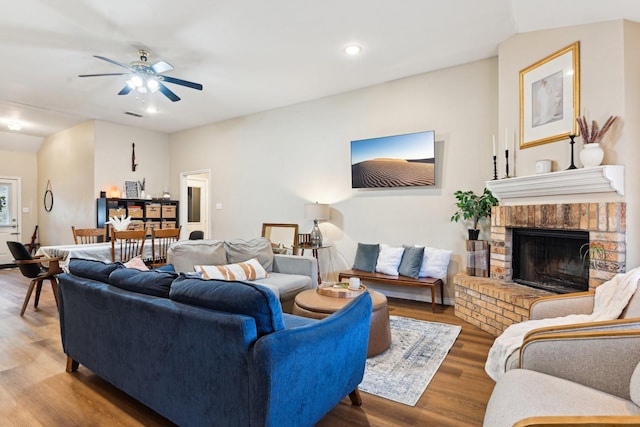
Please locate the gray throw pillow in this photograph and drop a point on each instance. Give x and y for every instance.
(366, 257)
(411, 261)
(239, 250)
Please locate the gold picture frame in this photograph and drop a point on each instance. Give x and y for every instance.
(550, 98)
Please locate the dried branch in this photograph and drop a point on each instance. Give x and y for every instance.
(595, 134)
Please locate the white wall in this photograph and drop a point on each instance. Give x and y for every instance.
(609, 69)
(268, 165)
(65, 160)
(113, 158)
(88, 158)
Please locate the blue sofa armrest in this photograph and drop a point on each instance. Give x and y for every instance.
(300, 374)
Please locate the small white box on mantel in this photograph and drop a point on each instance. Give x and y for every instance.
(543, 166)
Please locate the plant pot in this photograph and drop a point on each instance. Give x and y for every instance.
(473, 233)
(591, 155)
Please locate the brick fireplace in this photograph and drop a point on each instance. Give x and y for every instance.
(496, 302)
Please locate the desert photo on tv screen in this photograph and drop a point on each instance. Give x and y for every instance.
(393, 161)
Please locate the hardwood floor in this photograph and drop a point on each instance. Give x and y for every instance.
(35, 390)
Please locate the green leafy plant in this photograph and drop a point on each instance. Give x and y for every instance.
(592, 252)
(473, 207)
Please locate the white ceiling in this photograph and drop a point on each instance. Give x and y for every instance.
(250, 55)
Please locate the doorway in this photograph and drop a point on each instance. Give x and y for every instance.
(9, 216)
(194, 192)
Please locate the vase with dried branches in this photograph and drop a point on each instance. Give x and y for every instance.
(592, 152)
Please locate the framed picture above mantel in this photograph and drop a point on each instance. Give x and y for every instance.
(550, 98)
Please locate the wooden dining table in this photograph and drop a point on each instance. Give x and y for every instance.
(95, 251)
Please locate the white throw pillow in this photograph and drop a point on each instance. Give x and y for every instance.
(247, 270)
(435, 263)
(389, 260)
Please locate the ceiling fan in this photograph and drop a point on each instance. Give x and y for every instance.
(146, 78)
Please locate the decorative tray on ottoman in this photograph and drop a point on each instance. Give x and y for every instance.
(340, 290)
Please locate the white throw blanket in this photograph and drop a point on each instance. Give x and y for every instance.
(610, 300)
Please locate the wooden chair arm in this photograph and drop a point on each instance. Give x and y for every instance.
(37, 260)
(603, 325)
(582, 420)
(54, 263)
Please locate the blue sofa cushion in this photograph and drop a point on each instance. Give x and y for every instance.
(92, 269)
(411, 261)
(156, 283)
(237, 297)
(366, 257)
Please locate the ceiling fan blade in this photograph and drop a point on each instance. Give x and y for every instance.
(119, 64)
(173, 80)
(125, 90)
(99, 75)
(167, 92)
(161, 67)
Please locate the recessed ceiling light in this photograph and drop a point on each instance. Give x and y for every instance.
(353, 49)
(14, 125)
(152, 110)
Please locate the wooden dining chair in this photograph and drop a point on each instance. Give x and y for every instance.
(127, 244)
(82, 236)
(33, 269)
(304, 242)
(161, 239)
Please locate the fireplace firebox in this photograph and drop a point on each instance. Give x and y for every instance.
(550, 259)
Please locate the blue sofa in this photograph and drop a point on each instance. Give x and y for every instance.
(210, 353)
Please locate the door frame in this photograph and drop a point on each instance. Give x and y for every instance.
(18, 211)
(184, 178)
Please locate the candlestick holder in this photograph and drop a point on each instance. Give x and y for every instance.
(572, 166)
(506, 157)
(495, 167)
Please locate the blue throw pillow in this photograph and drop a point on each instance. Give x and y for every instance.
(411, 261)
(245, 298)
(156, 283)
(366, 257)
(92, 269)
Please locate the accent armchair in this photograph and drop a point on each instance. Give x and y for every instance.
(564, 305)
(585, 374)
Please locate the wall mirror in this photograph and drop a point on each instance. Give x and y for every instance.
(284, 237)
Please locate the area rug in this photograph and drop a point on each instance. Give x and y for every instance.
(403, 372)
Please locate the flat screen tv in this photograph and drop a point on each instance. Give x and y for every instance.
(393, 161)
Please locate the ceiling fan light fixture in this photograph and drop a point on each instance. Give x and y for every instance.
(135, 82)
(152, 84)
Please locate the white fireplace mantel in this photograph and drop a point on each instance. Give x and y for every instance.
(599, 179)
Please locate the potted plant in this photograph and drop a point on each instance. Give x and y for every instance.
(592, 252)
(473, 207)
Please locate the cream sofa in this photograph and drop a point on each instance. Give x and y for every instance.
(585, 374)
(288, 274)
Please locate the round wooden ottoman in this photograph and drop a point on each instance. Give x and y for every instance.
(311, 304)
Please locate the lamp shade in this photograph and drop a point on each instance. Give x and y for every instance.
(319, 211)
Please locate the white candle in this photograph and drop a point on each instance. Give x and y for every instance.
(494, 145)
(506, 139)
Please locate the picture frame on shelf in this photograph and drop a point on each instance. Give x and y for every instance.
(550, 98)
(132, 189)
